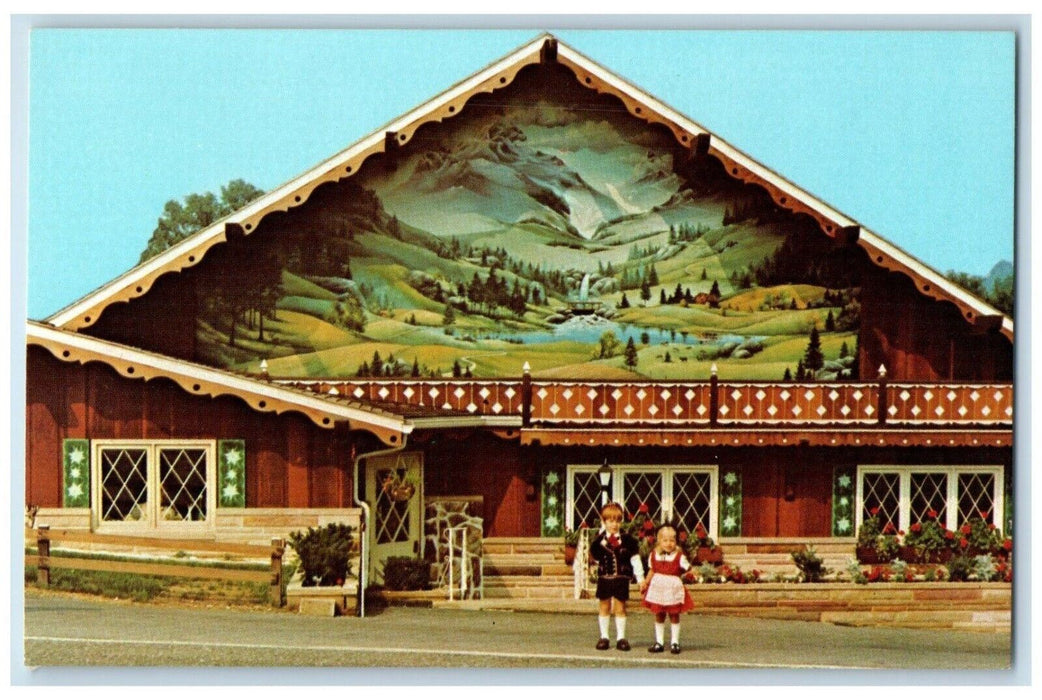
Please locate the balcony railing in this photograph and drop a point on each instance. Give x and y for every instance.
(692, 404)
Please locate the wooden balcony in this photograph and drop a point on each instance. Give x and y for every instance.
(687, 405)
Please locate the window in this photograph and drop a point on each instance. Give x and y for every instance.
(165, 484)
(684, 494)
(904, 495)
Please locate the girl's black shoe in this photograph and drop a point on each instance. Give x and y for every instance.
(674, 648)
(656, 648)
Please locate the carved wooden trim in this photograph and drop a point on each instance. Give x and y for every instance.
(259, 395)
(450, 103)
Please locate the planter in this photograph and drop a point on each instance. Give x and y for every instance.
(936, 556)
(869, 555)
(569, 554)
(709, 555)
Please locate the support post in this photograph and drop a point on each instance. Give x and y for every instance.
(278, 547)
(714, 396)
(43, 555)
(526, 396)
(882, 405)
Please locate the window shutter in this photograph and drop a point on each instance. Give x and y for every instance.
(231, 473)
(75, 473)
(553, 502)
(843, 489)
(731, 502)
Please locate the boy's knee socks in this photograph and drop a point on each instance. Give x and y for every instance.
(620, 627)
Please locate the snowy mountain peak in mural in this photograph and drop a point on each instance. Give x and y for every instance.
(542, 225)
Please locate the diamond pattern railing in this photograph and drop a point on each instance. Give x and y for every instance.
(124, 484)
(693, 404)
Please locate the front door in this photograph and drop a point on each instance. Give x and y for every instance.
(394, 485)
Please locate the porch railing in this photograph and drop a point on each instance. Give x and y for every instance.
(709, 404)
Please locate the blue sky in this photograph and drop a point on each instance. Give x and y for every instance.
(910, 133)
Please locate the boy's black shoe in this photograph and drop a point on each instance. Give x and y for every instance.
(655, 648)
(622, 645)
(603, 644)
(674, 648)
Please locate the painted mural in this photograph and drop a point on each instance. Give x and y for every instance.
(544, 225)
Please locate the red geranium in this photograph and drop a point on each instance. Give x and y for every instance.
(983, 515)
(682, 536)
(648, 525)
(963, 542)
(965, 529)
(643, 508)
(916, 527)
(889, 529)
(949, 535)
(874, 511)
(931, 513)
(1007, 545)
(901, 533)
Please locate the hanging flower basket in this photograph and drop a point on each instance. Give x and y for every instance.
(403, 492)
(569, 554)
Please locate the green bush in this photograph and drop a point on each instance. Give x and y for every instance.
(811, 566)
(325, 554)
(406, 573)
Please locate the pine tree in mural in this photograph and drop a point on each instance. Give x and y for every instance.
(630, 354)
(813, 359)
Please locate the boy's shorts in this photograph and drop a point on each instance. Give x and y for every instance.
(615, 587)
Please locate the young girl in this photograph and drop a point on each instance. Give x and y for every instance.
(618, 560)
(664, 591)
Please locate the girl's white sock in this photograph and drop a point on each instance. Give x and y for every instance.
(660, 632)
(674, 632)
(602, 620)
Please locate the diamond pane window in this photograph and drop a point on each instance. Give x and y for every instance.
(182, 484)
(163, 484)
(124, 484)
(929, 491)
(586, 499)
(881, 490)
(642, 488)
(976, 495)
(392, 515)
(692, 500)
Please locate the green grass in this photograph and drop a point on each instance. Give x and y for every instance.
(142, 588)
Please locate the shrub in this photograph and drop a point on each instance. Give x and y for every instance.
(811, 566)
(406, 573)
(960, 567)
(325, 554)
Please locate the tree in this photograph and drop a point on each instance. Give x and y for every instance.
(457, 370)
(662, 297)
(608, 345)
(830, 322)
(625, 303)
(787, 377)
(450, 316)
(179, 221)
(416, 367)
(813, 359)
(630, 354)
(645, 292)
(645, 338)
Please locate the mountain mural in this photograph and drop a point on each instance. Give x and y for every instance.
(545, 225)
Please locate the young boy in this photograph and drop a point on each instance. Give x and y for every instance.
(618, 560)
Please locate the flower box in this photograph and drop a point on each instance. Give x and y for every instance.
(869, 555)
(708, 555)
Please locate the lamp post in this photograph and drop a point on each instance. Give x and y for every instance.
(604, 474)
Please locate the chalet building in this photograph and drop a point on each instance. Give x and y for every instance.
(542, 277)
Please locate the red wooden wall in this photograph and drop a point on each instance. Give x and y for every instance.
(918, 338)
(290, 462)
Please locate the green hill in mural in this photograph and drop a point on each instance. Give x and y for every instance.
(524, 231)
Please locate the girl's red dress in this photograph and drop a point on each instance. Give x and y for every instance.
(668, 594)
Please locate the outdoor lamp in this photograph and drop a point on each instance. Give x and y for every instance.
(604, 474)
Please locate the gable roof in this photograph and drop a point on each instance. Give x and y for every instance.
(544, 49)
